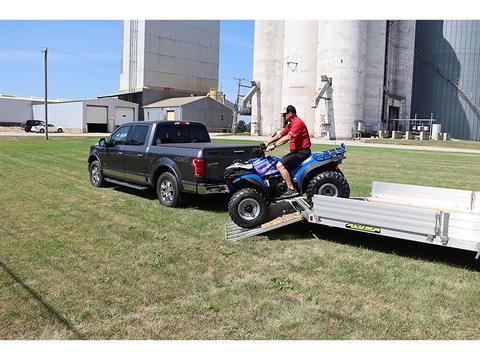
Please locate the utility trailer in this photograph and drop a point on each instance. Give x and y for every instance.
(438, 216)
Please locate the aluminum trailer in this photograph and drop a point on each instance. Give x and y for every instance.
(438, 216)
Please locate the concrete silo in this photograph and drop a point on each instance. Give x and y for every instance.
(400, 41)
(300, 68)
(447, 76)
(374, 74)
(369, 64)
(268, 73)
(342, 48)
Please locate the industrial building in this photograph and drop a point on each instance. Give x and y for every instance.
(95, 115)
(162, 59)
(343, 76)
(16, 110)
(446, 80)
(217, 117)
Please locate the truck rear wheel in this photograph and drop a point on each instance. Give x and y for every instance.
(248, 208)
(168, 191)
(328, 183)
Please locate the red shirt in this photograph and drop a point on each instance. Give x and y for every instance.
(299, 138)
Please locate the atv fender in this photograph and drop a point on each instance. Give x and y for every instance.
(251, 180)
(314, 167)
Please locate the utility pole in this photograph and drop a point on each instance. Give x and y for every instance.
(45, 51)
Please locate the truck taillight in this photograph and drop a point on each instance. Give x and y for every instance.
(198, 167)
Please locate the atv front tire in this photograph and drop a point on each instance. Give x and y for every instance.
(248, 208)
(328, 183)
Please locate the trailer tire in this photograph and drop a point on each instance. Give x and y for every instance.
(248, 208)
(328, 183)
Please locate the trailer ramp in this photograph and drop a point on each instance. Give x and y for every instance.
(234, 232)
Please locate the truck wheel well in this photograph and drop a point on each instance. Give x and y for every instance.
(91, 159)
(159, 171)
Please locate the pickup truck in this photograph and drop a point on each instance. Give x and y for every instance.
(172, 157)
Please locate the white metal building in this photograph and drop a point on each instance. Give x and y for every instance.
(217, 117)
(168, 58)
(16, 110)
(95, 115)
(370, 64)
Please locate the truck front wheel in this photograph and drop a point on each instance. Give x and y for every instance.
(96, 176)
(248, 208)
(168, 191)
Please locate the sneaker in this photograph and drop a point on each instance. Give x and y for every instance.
(289, 193)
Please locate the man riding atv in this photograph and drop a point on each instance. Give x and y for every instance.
(296, 132)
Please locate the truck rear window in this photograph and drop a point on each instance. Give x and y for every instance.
(181, 133)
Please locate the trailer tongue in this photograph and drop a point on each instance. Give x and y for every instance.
(439, 216)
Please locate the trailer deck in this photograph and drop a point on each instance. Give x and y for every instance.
(437, 216)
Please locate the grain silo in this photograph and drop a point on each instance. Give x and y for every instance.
(369, 67)
(268, 73)
(342, 49)
(447, 77)
(300, 67)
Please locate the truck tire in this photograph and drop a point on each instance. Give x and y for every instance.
(96, 176)
(168, 191)
(328, 183)
(248, 208)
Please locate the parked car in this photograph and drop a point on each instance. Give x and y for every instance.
(27, 125)
(41, 128)
(172, 157)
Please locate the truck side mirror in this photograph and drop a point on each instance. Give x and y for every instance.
(103, 143)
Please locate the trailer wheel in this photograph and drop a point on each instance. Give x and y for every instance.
(328, 183)
(248, 208)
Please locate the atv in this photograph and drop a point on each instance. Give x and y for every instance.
(256, 184)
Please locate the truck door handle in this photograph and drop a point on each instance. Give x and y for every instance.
(238, 151)
(139, 155)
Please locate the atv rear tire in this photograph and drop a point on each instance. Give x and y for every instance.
(328, 183)
(248, 208)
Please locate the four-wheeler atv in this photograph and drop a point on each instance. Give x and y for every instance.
(257, 183)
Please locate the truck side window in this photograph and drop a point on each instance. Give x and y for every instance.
(138, 135)
(120, 136)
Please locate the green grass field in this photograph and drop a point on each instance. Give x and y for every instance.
(453, 144)
(81, 262)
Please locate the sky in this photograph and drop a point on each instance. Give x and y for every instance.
(84, 57)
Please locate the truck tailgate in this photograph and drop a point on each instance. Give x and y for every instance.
(222, 155)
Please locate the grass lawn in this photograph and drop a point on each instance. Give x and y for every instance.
(454, 144)
(81, 262)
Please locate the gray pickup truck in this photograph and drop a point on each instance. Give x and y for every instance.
(172, 157)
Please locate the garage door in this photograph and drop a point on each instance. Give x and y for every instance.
(123, 115)
(96, 114)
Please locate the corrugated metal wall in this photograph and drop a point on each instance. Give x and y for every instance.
(447, 75)
(15, 111)
(214, 115)
(65, 115)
